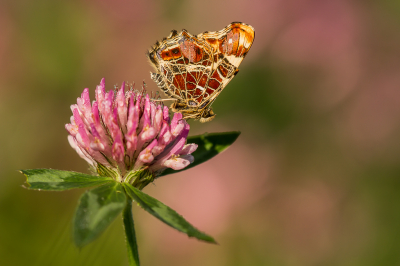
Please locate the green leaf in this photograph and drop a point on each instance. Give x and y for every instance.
(49, 179)
(96, 210)
(129, 226)
(165, 213)
(209, 146)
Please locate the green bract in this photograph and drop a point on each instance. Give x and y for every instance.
(97, 208)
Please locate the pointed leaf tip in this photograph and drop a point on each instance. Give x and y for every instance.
(165, 214)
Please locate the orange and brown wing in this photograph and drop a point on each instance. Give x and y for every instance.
(229, 46)
(185, 64)
(232, 43)
(198, 67)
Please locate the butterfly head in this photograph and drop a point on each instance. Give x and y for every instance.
(190, 110)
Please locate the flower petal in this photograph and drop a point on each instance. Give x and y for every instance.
(179, 163)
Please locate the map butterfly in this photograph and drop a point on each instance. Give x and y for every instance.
(195, 69)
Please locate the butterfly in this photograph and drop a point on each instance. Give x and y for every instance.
(193, 70)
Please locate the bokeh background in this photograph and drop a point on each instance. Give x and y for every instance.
(314, 179)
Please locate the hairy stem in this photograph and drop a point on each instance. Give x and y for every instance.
(133, 254)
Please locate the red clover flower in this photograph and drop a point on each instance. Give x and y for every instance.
(128, 136)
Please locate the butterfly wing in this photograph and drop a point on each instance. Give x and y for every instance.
(195, 69)
(232, 43)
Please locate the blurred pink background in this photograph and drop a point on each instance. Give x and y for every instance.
(314, 179)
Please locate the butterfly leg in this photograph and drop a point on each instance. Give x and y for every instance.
(162, 100)
(207, 116)
(178, 106)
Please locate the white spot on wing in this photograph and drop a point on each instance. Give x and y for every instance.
(200, 88)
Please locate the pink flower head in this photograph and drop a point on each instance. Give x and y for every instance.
(128, 136)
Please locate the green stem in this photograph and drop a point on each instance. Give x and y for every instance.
(133, 254)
